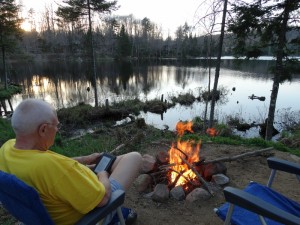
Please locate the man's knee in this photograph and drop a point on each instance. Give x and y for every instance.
(135, 156)
(133, 160)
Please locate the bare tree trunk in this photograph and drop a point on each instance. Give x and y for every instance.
(93, 57)
(4, 67)
(278, 73)
(217, 73)
(209, 80)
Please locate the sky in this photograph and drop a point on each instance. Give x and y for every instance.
(169, 14)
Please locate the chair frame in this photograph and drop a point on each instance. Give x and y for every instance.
(252, 203)
(8, 197)
(115, 203)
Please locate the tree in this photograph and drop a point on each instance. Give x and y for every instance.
(208, 22)
(10, 29)
(259, 25)
(218, 66)
(77, 9)
(124, 44)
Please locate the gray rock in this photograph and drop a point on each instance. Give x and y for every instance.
(220, 179)
(178, 193)
(198, 194)
(161, 193)
(143, 182)
(148, 163)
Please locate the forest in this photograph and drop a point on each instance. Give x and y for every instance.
(124, 36)
(119, 37)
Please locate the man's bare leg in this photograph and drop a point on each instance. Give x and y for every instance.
(126, 168)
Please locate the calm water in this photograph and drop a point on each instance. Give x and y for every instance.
(65, 84)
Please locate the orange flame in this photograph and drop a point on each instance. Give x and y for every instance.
(184, 149)
(182, 127)
(212, 132)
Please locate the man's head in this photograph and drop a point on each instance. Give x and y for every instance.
(37, 120)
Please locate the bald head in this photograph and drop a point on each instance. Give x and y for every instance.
(31, 113)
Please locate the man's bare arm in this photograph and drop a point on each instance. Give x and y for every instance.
(103, 178)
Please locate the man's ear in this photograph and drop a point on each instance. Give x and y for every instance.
(42, 130)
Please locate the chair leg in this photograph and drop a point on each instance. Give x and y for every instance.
(271, 178)
(229, 214)
(262, 220)
(120, 215)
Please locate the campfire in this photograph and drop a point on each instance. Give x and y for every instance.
(180, 171)
(183, 173)
(182, 157)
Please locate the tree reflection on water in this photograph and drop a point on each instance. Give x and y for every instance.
(66, 84)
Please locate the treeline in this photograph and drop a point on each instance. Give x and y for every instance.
(119, 37)
(116, 37)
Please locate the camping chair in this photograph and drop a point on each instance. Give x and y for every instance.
(259, 204)
(24, 203)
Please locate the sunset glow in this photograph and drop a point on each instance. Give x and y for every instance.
(26, 26)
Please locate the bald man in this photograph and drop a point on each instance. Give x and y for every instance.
(67, 187)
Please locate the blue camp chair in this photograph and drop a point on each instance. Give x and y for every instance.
(259, 204)
(24, 203)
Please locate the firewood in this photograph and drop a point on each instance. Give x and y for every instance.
(159, 172)
(181, 175)
(231, 158)
(163, 167)
(186, 156)
(198, 175)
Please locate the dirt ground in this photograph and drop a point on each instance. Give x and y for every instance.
(240, 173)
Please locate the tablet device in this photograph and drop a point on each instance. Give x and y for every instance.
(105, 163)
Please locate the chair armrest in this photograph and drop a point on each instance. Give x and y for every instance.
(258, 206)
(94, 216)
(284, 165)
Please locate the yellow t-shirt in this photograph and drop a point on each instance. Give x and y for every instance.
(67, 188)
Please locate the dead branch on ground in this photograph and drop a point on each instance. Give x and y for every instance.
(231, 158)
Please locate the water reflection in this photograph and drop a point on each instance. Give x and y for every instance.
(65, 84)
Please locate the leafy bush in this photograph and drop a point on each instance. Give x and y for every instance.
(6, 131)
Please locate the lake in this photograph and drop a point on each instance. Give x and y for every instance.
(65, 84)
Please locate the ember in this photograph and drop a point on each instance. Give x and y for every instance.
(212, 132)
(182, 127)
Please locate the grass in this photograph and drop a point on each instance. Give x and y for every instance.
(136, 138)
(6, 218)
(133, 138)
(83, 145)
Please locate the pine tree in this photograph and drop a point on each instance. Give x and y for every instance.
(124, 44)
(10, 30)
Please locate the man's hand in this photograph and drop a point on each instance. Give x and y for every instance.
(89, 160)
(92, 159)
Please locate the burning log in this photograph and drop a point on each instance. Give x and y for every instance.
(231, 158)
(180, 174)
(186, 156)
(166, 166)
(198, 175)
